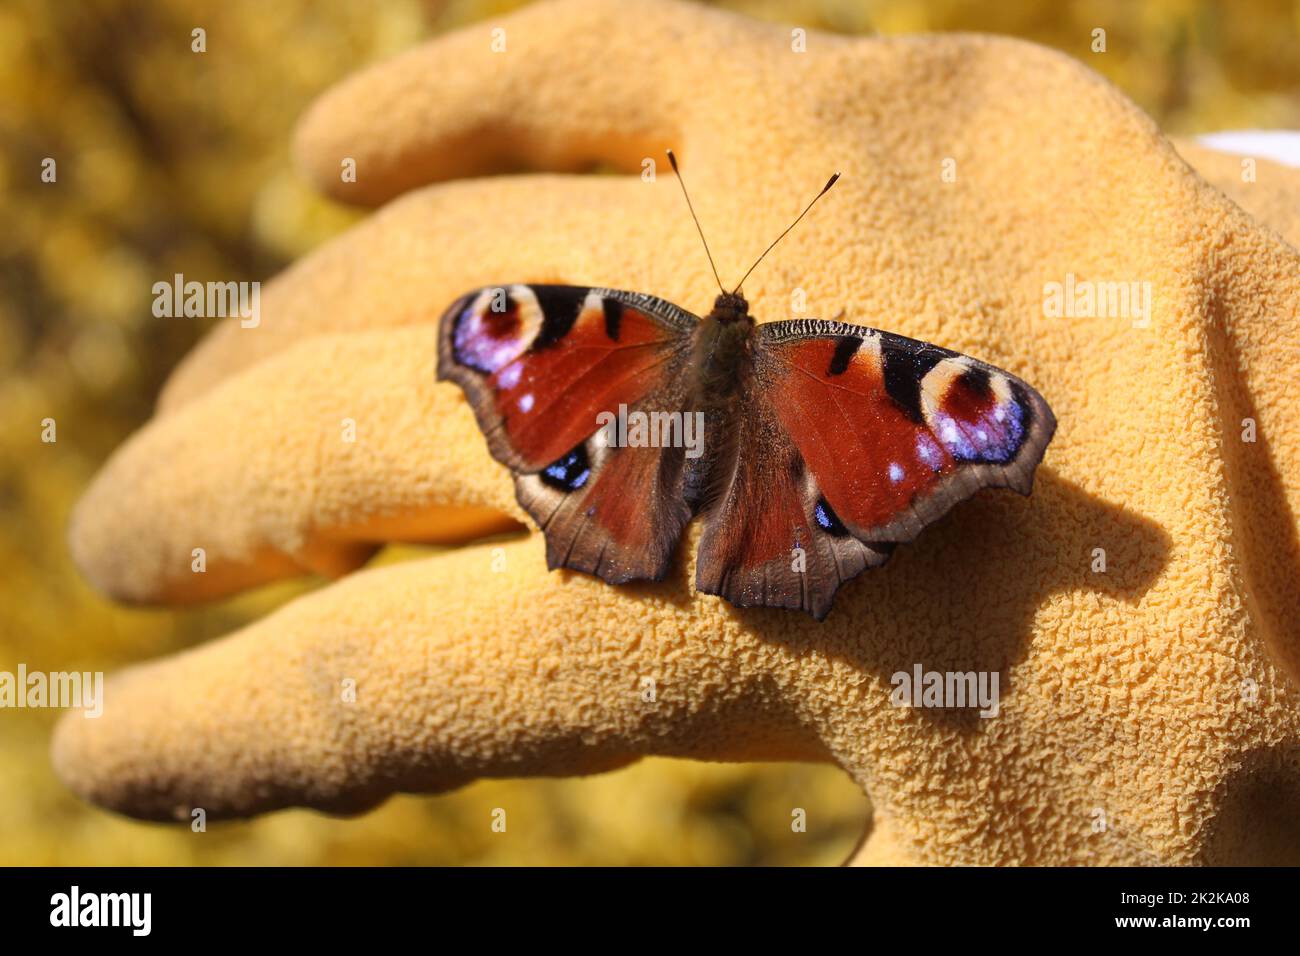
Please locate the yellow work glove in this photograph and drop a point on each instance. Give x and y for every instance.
(1140, 609)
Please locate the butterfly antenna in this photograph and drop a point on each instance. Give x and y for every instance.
(829, 183)
(673, 159)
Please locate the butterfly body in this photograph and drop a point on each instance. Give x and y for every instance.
(824, 443)
(722, 361)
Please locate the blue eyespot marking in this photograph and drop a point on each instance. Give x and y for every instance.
(568, 473)
(828, 520)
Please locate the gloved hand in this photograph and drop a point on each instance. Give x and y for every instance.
(1139, 608)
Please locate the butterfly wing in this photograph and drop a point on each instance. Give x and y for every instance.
(874, 436)
(539, 364)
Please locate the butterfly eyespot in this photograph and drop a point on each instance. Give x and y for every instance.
(570, 472)
(828, 520)
(487, 340)
(501, 323)
(980, 420)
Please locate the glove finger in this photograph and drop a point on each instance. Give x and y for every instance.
(408, 262)
(374, 686)
(306, 462)
(557, 86)
(250, 457)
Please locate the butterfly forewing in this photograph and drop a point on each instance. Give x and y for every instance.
(896, 431)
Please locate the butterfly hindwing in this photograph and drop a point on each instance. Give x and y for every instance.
(616, 512)
(886, 433)
(539, 364)
(769, 539)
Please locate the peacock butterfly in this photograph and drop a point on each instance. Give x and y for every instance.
(811, 447)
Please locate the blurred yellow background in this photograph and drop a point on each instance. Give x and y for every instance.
(170, 162)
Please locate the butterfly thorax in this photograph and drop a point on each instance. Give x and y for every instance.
(724, 350)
